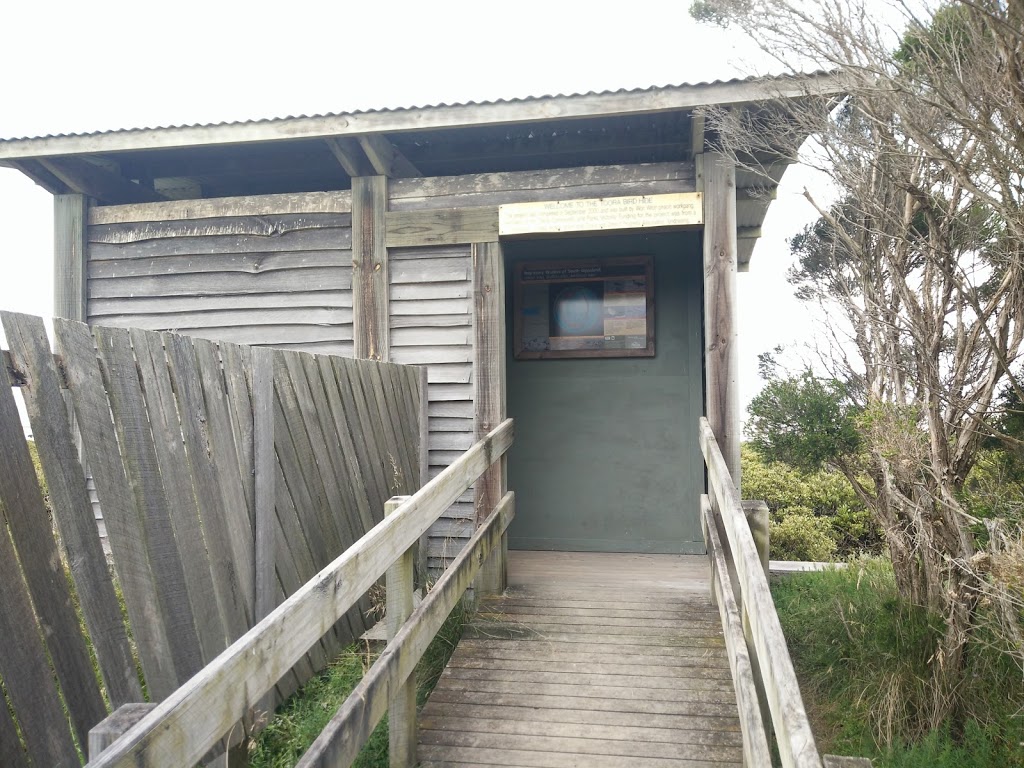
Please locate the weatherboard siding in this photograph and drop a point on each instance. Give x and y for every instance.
(431, 323)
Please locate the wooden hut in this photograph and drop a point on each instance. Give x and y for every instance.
(566, 260)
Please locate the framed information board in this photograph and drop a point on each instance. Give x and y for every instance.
(584, 308)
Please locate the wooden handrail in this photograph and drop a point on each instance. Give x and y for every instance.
(789, 718)
(350, 728)
(183, 727)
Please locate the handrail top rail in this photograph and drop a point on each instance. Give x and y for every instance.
(183, 727)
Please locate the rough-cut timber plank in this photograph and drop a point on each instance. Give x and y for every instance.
(579, 745)
(273, 225)
(32, 536)
(789, 718)
(182, 507)
(245, 263)
(12, 753)
(184, 726)
(517, 721)
(370, 267)
(257, 205)
(138, 453)
(721, 350)
(684, 729)
(26, 675)
(69, 259)
(491, 189)
(755, 737)
(303, 280)
(296, 241)
(431, 755)
(76, 346)
(72, 508)
(224, 455)
(446, 226)
(235, 612)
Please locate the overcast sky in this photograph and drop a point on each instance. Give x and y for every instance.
(92, 66)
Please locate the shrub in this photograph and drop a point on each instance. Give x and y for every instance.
(797, 535)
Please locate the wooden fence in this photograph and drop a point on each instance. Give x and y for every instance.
(767, 691)
(181, 729)
(228, 476)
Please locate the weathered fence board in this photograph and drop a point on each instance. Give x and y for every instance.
(131, 417)
(32, 537)
(206, 470)
(71, 505)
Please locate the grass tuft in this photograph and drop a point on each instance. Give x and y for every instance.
(864, 660)
(299, 720)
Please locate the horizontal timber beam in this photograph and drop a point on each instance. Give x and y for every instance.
(653, 100)
(443, 226)
(104, 185)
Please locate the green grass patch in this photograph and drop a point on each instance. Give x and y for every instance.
(864, 660)
(299, 720)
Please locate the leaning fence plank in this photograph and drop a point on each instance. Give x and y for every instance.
(349, 454)
(12, 754)
(72, 508)
(182, 507)
(225, 460)
(41, 565)
(221, 547)
(752, 726)
(185, 725)
(264, 469)
(339, 743)
(237, 360)
(789, 718)
(358, 422)
(75, 344)
(24, 670)
(133, 422)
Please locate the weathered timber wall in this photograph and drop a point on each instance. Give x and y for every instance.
(431, 323)
(208, 530)
(276, 270)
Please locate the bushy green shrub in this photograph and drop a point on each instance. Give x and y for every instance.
(796, 534)
(825, 496)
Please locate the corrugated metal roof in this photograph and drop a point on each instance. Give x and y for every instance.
(811, 76)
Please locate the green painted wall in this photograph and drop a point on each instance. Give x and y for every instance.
(606, 455)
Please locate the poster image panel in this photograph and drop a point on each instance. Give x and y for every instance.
(584, 308)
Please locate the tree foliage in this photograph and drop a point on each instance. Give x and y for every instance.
(919, 261)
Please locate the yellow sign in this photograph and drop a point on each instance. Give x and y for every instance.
(604, 213)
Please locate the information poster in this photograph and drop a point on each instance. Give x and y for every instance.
(585, 308)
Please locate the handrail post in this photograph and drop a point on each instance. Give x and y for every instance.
(401, 699)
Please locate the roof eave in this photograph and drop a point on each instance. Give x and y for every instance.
(426, 118)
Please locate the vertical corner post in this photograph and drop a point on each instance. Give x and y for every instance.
(721, 351)
(70, 244)
(401, 699)
(489, 395)
(370, 268)
(757, 516)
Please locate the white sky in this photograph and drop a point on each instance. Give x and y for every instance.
(95, 66)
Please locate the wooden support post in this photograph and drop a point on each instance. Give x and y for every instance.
(721, 353)
(110, 729)
(70, 217)
(422, 556)
(369, 268)
(489, 392)
(756, 513)
(402, 700)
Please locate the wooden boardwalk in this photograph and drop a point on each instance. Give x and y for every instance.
(590, 660)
